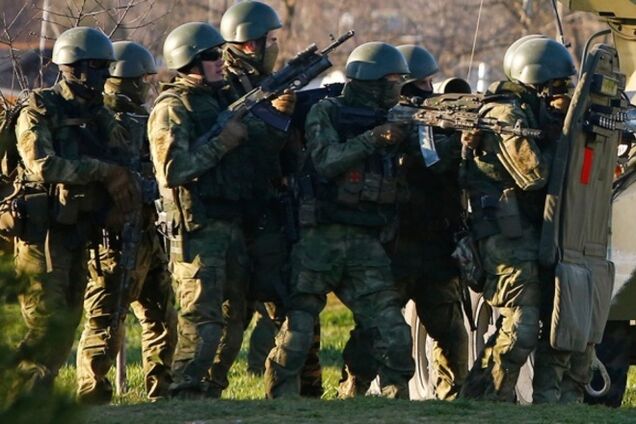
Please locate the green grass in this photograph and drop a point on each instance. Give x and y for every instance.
(243, 401)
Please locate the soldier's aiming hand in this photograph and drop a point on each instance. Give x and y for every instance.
(285, 103)
(471, 139)
(389, 134)
(234, 132)
(123, 188)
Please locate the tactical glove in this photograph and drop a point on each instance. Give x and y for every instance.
(471, 139)
(234, 133)
(123, 188)
(389, 134)
(285, 103)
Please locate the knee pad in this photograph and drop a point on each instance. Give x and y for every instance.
(297, 333)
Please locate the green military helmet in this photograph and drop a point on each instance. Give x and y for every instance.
(132, 60)
(373, 60)
(188, 40)
(248, 20)
(539, 60)
(82, 43)
(421, 62)
(510, 51)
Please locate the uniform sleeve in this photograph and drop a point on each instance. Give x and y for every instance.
(169, 133)
(35, 147)
(521, 157)
(331, 157)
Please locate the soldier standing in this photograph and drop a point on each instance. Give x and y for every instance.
(203, 180)
(421, 250)
(250, 29)
(348, 194)
(507, 183)
(62, 134)
(151, 293)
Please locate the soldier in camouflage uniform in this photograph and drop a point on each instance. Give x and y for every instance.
(250, 55)
(507, 183)
(63, 133)
(150, 293)
(205, 181)
(421, 250)
(348, 194)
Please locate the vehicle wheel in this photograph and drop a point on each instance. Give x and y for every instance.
(421, 385)
(614, 352)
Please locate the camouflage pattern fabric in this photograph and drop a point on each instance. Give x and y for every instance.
(351, 262)
(424, 271)
(267, 322)
(267, 248)
(150, 297)
(513, 279)
(54, 255)
(201, 270)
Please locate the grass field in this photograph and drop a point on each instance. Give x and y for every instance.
(243, 401)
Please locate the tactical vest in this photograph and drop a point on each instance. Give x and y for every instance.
(366, 195)
(497, 203)
(219, 192)
(77, 132)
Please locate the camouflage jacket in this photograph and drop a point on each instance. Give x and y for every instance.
(267, 143)
(509, 161)
(134, 118)
(61, 138)
(357, 180)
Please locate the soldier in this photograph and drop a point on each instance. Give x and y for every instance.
(348, 194)
(421, 250)
(151, 294)
(62, 134)
(250, 29)
(205, 181)
(507, 183)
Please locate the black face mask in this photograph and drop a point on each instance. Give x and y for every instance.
(91, 75)
(411, 90)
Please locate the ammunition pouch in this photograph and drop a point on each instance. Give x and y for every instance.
(36, 216)
(508, 215)
(374, 182)
(308, 204)
(492, 215)
(71, 201)
(169, 225)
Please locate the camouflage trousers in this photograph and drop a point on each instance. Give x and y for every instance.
(440, 312)
(423, 275)
(51, 304)
(267, 322)
(513, 286)
(351, 262)
(215, 258)
(268, 253)
(150, 298)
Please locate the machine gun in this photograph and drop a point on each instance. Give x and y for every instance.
(298, 72)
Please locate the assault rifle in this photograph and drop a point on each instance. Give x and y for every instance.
(298, 72)
(459, 112)
(453, 111)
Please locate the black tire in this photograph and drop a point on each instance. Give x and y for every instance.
(614, 352)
